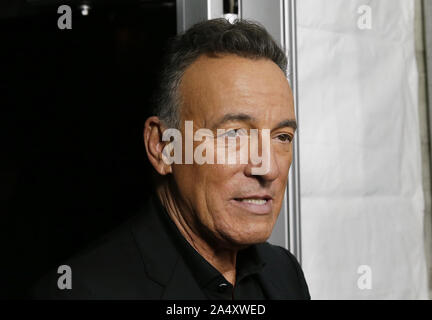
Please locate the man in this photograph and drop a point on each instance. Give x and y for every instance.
(202, 234)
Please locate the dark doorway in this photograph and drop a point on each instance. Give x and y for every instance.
(73, 105)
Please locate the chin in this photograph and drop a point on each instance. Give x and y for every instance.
(250, 238)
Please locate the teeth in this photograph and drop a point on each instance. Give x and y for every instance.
(254, 201)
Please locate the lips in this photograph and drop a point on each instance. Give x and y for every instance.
(254, 201)
(257, 204)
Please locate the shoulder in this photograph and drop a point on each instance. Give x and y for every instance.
(282, 267)
(277, 255)
(111, 266)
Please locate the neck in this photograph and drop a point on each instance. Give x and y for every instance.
(222, 259)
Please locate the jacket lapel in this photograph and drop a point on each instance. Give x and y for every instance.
(164, 265)
(275, 285)
(162, 261)
(272, 289)
(182, 284)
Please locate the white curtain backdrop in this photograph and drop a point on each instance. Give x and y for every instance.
(360, 166)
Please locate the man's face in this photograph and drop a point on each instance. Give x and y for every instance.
(231, 92)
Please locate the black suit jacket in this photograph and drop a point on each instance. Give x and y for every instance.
(139, 261)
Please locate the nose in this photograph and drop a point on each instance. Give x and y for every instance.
(268, 168)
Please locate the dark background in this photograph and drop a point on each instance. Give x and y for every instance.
(72, 109)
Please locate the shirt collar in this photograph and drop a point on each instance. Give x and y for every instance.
(248, 260)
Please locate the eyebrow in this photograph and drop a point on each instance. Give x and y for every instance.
(234, 117)
(292, 123)
(287, 123)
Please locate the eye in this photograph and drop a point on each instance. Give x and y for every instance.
(285, 137)
(233, 133)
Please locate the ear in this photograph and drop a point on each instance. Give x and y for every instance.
(154, 145)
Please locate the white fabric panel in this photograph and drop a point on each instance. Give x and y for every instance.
(360, 166)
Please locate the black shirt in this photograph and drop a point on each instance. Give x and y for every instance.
(210, 280)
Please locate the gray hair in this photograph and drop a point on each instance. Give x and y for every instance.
(218, 36)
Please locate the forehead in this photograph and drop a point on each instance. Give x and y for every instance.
(214, 86)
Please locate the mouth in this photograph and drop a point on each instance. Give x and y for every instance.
(261, 205)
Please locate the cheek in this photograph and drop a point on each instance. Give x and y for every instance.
(284, 163)
(219, 188)
(212, 187)
(282, 155)
(221, 185)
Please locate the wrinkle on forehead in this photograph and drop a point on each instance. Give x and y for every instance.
(211, 86)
